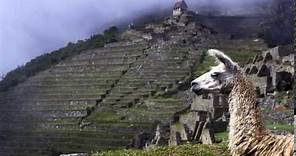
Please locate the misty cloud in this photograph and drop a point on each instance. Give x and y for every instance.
(31, 27)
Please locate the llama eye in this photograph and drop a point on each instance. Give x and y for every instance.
(215, 75)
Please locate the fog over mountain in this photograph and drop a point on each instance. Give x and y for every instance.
(30, 28)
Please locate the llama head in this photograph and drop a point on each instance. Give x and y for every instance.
(219, 79)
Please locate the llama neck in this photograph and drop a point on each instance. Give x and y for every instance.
(245, 118)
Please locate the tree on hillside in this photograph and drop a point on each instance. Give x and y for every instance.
(111, 34)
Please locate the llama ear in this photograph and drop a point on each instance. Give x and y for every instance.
(221, 57)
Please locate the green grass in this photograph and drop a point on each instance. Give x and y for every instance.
(178, 126)
(222, 136)
(279, 126)
(182, 150)
(283, 97)
(105, 117)
(242, 57)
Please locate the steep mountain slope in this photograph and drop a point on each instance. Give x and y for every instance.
(102, 98)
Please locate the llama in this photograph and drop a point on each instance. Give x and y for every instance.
(248, 135)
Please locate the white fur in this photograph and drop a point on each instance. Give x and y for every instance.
(219, 54)
(207, 82)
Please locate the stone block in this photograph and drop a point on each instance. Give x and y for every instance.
(207, 136)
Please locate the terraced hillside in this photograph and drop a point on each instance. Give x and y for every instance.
(102, 98)
(49, 106)
(112, 97)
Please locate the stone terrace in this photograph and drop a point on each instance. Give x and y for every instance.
(102, 98)
(42, 115)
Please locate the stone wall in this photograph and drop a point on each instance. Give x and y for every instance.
(272, 70)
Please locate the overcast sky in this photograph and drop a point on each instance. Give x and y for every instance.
(29, 28)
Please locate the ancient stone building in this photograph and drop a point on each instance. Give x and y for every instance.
(206, 115)
(180, 7)
(273, 70)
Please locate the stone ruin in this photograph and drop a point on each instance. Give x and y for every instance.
(198, 123)
(103, 98)
(273, 70)
(180, 7)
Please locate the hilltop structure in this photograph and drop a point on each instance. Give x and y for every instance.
(180, 7)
